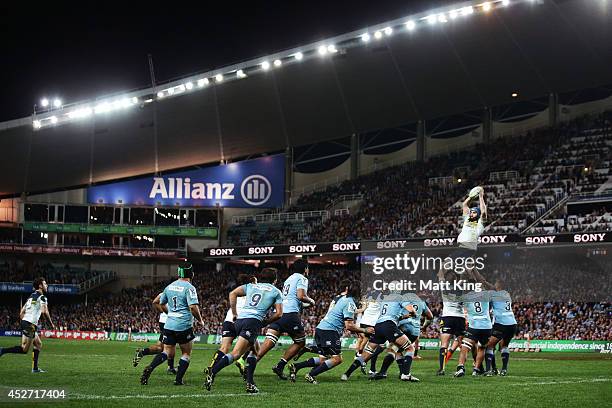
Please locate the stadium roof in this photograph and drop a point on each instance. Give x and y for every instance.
(451, 61)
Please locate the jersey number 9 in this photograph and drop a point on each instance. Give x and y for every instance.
(255, 299)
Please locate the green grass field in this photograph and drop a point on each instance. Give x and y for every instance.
(101, 374)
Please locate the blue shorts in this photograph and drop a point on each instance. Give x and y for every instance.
(328, 342)
(386, 331)
(248, 329)
(289, 323)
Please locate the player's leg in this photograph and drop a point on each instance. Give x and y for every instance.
(505, 355)
(324, 365)
(37, 343)
(390, 357)
(183, 362)
(23, 348)
(416, 349)
(490, 355)
(268, 344)
(444, 342)
(361, 360)
(299, 341)
(466, 347)
(406, 349)
(374, 358)
(224, 348)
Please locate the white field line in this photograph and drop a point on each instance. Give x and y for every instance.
(77, 396)
(592, 380)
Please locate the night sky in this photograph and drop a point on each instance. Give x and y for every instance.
(52, 52)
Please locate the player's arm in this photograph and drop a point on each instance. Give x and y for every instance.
(192, 301)
(278, 312)
(158, 306)
(483, 205)
(303, 297)
(233, 298)
(44, 309)
(428, 319)
(22, 312)
(195, 311)
(350, 325)
(411, 312)
(477, 276)
(466, 206)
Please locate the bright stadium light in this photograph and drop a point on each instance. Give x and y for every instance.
(365, 37)
(486, 6)
(53, 119)
(378, 35)
(432, 19)
(189, 85)
(278, 63)
(57, 102)
(331, 48)
(322, 50)
(466, 11)
(265, 65)
(36, 124)
(170, 91)
(388, 31)
(442, 18)
(160, 94)
(44, 102)
(453, 14)
(202, 82)
(134, 100)
(298, 56)
(219, 77)
(505, 2)
(240, 74)
(410, 25)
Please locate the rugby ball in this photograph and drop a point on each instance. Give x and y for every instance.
(475, 191)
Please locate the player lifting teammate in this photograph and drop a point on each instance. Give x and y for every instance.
(29, 315)
(180, 301)
(340, 316)
(260, 297)
(294, 295)
(452, 321)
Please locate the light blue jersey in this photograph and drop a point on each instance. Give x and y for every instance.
(341, 309)
(502, 308)
(412, 325)
(178, 296)
(259, 298)
(291, 303)
(392, 310)
(477, 305)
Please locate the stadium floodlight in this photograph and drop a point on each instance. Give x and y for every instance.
(202, 82)
(453, 14)
(134, 100)
(265, 65)
(486, 6)
(514, 94)
(365, 37)
(125, 103)
(57, 102)
(388, 31)
(505, 2)
(170, 91)
(240, 74)
(160, 94)
(37, 124)
(44, 102)
(466, 11)
(410, 25)
(442, 18)
(80, 113)
(219, 77)
(378, 35)
(102, 107)
(189, 85)
(298, 56)
(278, 63)
(53, 119)
(432, 19)
(331, 48)
(322, 50)
(181, 88)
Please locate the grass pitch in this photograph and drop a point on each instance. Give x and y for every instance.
(100, 374)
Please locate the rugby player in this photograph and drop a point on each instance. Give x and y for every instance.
(30, 314)
(180, 301)
(260, 297)
(504, 329)
(478, 332)
(157, 347)
(340, 316)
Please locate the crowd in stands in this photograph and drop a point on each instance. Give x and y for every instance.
(131, 309)
(546, 165)
(12, 270)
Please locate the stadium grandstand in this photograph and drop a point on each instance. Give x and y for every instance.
(335, 152)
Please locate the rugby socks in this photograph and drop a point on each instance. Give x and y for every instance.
(357, 363)
(222, 363)
(182, 368)
(442, 357)
(311, 362)
(493, 365)
(216, 358)
(147, 351)
(171, 362)
(407, 362)
(14, 350)
(251, 364)
(281, 364)
(35, 354)
(505, 353)
(489, 356)
(400, 364)
(389, 359)
(327, 364)
(158, 359)
(375, 357)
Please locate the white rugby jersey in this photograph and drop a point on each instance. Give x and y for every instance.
(371, 313)
(451, 308)
(240, 302)
(33, 307)
(471, 230)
